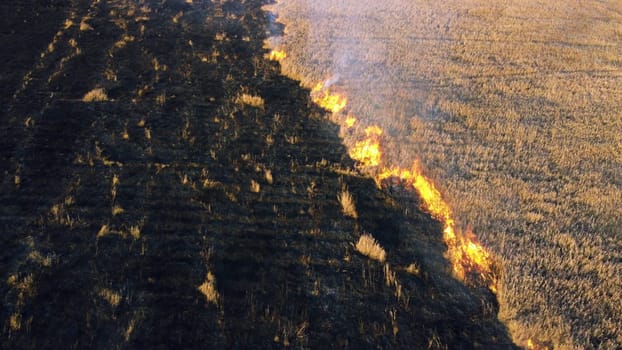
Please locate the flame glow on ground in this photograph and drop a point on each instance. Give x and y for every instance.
(532, 345)
(322, 96)
(469, 259)
(367, 151)
(277, 55)
(471, 262)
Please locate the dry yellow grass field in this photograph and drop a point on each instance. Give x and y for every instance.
(514, 108)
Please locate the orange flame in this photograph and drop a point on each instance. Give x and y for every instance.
(333, 102)
(531, 345)
(466, 255)
(469, 259)
(277, 55)
(367, 152)
(350, 121)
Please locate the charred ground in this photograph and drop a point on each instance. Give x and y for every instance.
(192, 200)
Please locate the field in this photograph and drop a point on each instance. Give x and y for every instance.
(514, 110)
(165, 186)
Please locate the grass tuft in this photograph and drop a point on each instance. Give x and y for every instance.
(347, 204)
(255, 187)
(251, 100)
(368, 246)
(113, 298)
(208, 288)
(95, 95)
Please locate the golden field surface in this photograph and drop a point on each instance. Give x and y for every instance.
(514, 109)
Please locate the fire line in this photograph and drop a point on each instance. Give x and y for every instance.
(469, 259)
(277, 55)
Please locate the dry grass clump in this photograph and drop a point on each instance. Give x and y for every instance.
(413, 269)
(268, 176)
(368, 246)
(116, 210)
(255, 187)
(15, 322)
(208, 288)
(95, 95)
(40, 259)
(250, 100)
(85, 26)
(104, 230)
(59, 215)
(25, 289)
(113, 298)
(135, 232)
(347, 204)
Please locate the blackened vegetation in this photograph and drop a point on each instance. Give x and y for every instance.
(202, 166)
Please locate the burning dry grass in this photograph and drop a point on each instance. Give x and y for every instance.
(467, 255)
(514, 110)
(277, 55)
(367, 151)
(324, 97)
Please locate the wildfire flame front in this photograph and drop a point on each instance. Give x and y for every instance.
(470, 260)
(277, 55)
(321, 95)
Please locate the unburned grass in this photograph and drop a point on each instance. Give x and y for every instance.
(348, 207)
(95, 95)
(368, 246)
